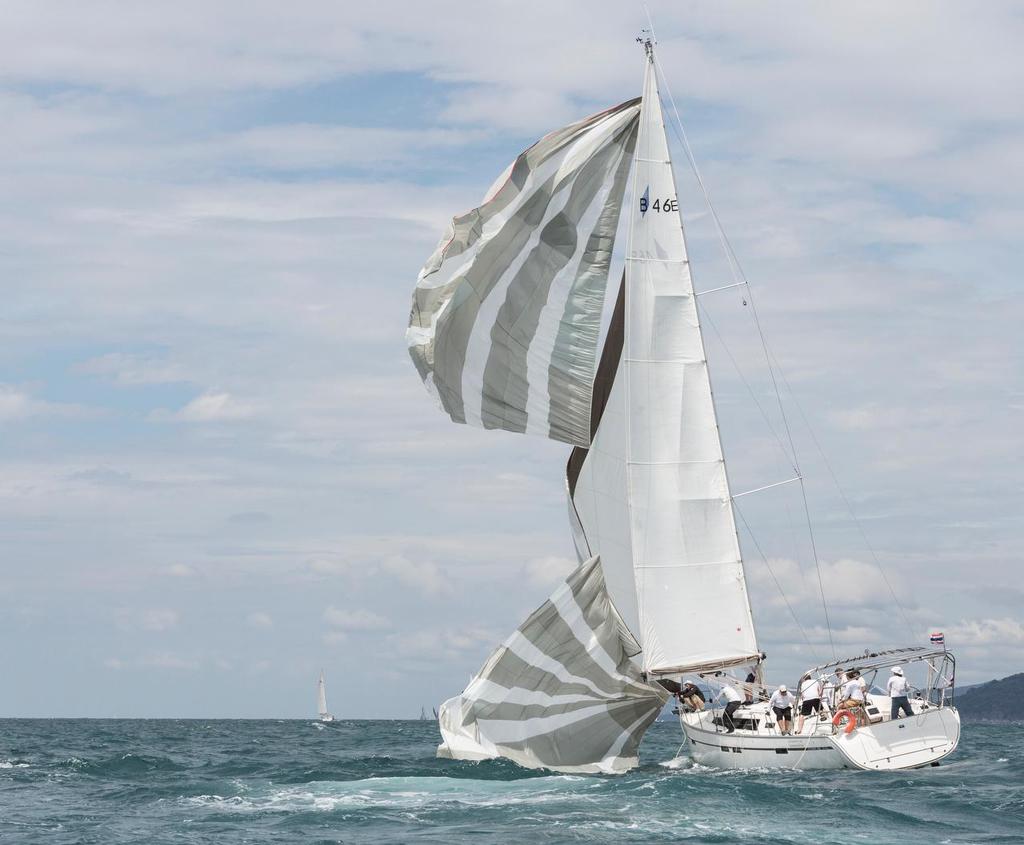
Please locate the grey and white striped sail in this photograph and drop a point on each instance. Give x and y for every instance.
(506, 314)
(652, 495)
(561, 693)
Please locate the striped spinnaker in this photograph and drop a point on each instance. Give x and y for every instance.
(506, 313)
(562, 692)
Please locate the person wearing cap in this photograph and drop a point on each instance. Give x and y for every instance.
(897, 688)
(810, 699)
(691, 696)
(782, 702)
(853, 695)
(733, 701)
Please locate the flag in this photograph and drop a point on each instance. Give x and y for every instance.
(938, 639)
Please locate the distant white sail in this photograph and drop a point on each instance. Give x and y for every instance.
(321, 700)
(507, 312)
(561, 693)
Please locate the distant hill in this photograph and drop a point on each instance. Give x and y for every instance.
(996, 701)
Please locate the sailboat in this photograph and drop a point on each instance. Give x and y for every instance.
(506, 333)
(321, 700)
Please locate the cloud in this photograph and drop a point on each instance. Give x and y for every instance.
(549, 571)
(259, 619)
(355, 620)
(330, 566)
(980, 632)
(180, 570)
(847, 583)
(149, 619)
(430, 646)
(167, 660)
(157, 619)
(209, 407)
(16, 405)
(423, 576)
(133, 370)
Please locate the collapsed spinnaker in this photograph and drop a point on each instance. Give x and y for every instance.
(506, 314)
(562, 692)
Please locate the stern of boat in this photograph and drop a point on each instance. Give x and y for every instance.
(911, 743)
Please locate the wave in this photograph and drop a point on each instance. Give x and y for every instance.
(122, 765)
(401, 793)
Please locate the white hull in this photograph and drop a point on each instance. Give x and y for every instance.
(920, 740)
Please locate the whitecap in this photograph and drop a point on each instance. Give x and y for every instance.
(398, 793)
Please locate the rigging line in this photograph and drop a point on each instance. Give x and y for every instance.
(817, 565)
(730, 255)
(778, 586)
(846, 501)
(738, 275)
(706, 318)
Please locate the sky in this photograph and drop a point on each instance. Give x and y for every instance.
(219, 472)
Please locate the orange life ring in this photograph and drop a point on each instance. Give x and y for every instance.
(845, 714)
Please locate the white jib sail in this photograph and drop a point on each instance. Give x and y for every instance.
(561, 693)
(652, 496)
(506, 314)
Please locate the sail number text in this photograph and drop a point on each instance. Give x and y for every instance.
(667, 204)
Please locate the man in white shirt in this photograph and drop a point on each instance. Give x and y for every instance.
(733, 701)
(897, 687)
(810, 699)
(782, 702)
(853, 696)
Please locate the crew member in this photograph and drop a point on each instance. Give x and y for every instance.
(782, 702)
(691, 696)
(810, 699)
(853, 697)
(733, 701)
(897, 688)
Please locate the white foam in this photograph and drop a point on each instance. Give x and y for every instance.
(401, 793)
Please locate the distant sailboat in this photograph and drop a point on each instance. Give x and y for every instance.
(321, 700)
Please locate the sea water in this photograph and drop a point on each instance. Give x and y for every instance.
(199, 781)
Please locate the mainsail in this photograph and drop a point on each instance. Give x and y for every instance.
(504, 331)
(562, 692)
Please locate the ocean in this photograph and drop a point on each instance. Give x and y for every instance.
(225, 781)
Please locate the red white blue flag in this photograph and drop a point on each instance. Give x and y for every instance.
(938, 638)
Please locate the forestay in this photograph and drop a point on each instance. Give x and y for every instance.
(506, 313)
(652, 496)
(561, 692)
